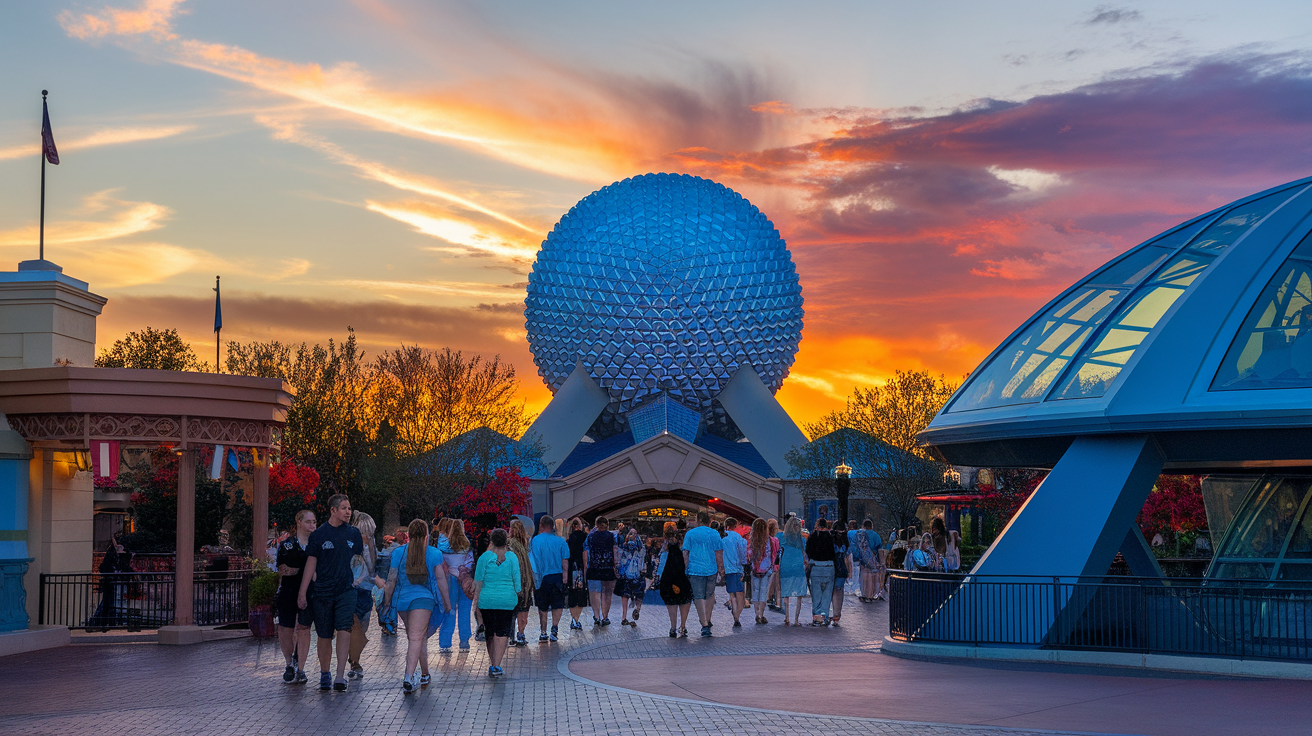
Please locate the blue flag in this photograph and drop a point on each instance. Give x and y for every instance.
(232, 459)
(218, 308)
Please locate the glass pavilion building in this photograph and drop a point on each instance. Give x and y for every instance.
(1189, 353)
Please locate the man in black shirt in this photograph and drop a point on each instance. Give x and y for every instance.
(328, 566)
(820, 554)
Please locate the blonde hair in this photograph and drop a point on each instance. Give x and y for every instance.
(560, 527)
(365, 523)
(455, 535)
(793, 533)
(444, 526)
(416, 555)
(518, 532)
(771, 527)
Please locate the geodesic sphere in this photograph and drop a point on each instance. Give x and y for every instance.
(663, 282)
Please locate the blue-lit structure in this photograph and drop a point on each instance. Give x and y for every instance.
(1189, 353)
(663, 283)
(663, 308)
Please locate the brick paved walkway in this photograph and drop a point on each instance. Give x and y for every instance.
(235, 687)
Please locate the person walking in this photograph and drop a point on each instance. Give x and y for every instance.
(761, 555)
(328, 567)
(820, 565)
(630, 585)
(952, 556)
(519, 545)
(458, 554)
(417, 571)
(792, 569)
(675, 589)
(497, 583)
(842, 569)
(599, 562)
(293, 621)
(735, 560)
(576, 586)
(106, 614)
(872, 560)
(549, 559)
(703, 552)
(772, 597)
(364, 580)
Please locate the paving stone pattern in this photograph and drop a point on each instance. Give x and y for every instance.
(235, 687)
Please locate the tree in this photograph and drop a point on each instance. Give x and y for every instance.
(875, 433)
(151, 349)
(1000, 500)
(154, 489)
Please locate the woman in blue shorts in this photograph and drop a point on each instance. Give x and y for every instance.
(417, 571)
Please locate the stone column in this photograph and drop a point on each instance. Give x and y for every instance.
(260, 500)
(184, 630)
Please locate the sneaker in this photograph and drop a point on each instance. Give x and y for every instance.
(464, 645)
(444, 650)
(596, 621)
(407, 685)
(683, 633)
(674, 633)
(289, 674)
(340, 686)
(521, 640)
(301, 679)
(574, 624)
(325, 681)
(480, 634)
(605, 622)
(737, 624)
(425, 679)
(542, 637)
(555, 633)
(355, 673)
(706, 631)
(625, 622)
(635, 616)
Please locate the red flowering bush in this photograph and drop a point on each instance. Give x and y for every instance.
(505, 495)
(1174, 507)
(292, 487)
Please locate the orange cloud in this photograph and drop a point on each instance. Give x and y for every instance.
(151, 17)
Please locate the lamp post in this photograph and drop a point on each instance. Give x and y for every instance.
(843, 484)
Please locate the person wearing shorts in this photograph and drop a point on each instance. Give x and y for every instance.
(547, 554)
(293, 621)
(735, 558)
(497, 584)
(599, 562)
(328, 567)
(417, 570)
(703, 550)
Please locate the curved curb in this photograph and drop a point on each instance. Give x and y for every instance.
(562, 665)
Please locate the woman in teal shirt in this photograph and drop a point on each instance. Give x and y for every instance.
(496, 593)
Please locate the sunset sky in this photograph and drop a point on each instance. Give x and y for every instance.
(939, 170)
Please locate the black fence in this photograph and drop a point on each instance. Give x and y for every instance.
(139, 600)
(1224, 618)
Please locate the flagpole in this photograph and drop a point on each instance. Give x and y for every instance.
(218, 328)
(42, 252)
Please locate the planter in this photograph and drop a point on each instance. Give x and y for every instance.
(261, 622)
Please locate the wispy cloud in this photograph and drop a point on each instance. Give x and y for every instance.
(104, 137)
(150, 17)
(120, 219)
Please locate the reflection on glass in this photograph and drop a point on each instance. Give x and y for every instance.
(1101, 362)
(1100, 365)
(1024, 370)
(1236, 222)
(1242, 571)
(1274, 347)
(1265, 524)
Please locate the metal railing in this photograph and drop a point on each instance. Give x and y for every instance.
(1223, 618)
(139, 600)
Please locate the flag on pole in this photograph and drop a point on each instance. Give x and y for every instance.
(218, 308)
(47, 137)
(216, 465)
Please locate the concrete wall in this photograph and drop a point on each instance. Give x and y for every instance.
(59, 519)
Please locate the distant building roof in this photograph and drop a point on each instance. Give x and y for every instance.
(586, 454)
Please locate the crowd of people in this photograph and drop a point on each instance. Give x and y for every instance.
(435, 580)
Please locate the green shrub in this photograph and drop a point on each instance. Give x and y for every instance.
(263, 588)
